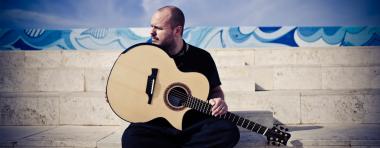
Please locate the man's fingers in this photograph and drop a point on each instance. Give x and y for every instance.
(211, 101)
(220, 110)
(219, 107)
(217, 110)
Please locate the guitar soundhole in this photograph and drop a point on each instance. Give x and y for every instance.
(176, 96)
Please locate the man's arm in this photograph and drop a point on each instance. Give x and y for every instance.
(219, 106)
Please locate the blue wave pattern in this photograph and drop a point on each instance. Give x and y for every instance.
(204, 37)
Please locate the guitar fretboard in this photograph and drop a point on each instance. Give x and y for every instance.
(205, 108)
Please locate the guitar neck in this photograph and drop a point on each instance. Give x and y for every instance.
(205, 108)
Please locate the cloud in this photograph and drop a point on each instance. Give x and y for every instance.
(137, 13)
(17, 18)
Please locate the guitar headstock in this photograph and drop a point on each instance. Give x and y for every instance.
(277, 136)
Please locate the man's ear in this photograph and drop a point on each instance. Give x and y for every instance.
(178, 30)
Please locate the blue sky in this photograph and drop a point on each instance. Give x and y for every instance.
(137, 13)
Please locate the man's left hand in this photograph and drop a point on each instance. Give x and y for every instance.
(219, 107)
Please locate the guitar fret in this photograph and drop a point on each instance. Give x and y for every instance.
(204, 108)
(246, 122)
(196, 105)
(250, 125)
(233, 118)
(238, 121)
(209, 109)
(229, 116)
(200, 106)
(265, 132)
(254, 126)
(243, 122)
(262, 130)
(190, 100)
(184, 104)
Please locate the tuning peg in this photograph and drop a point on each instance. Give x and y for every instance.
(273, 143)
(286, 129)
(281, 127)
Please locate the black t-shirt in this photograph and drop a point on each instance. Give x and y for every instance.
(193, 59)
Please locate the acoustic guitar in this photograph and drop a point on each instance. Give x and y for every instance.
(144, 84)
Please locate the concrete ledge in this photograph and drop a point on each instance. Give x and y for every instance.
(10, 135)
(340, 107)
(311, 135)
(56, 108)
(283, 104)
(333, 135)
(270, 68)
(68, 136)
(318, 56)
(288, 107)
(233, 58)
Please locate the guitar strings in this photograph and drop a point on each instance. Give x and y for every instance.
(186, 98)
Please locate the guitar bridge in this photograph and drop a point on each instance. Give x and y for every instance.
(151, 81)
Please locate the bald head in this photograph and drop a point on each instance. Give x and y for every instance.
(176, 15)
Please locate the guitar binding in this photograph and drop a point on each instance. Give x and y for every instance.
(176, 95)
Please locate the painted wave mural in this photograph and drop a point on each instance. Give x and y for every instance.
(204, 37)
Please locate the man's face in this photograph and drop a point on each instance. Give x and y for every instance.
(161, 31)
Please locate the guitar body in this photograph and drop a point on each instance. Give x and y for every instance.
(127, 84)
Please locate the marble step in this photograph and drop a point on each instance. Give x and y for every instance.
(308, 135)
(288, 107)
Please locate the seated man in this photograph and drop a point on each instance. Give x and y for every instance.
(199, 130)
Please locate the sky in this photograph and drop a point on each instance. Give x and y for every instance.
(137, 13)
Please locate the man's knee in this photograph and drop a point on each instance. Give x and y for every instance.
(228, 131)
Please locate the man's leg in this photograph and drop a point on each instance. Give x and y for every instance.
(211, 133)
(144, 136)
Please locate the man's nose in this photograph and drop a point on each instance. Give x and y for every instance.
(153, 32)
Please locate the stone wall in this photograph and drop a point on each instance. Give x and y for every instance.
(303, 85)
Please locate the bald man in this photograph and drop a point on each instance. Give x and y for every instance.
(199, 130)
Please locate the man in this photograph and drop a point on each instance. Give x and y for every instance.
(199, 130)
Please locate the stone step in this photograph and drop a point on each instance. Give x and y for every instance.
(309, 135)
(231, 57)
(288, 107)
(322, 135)
(311, 107)
(233, 78)
(301, 56)
(270, 68)
(238, 85)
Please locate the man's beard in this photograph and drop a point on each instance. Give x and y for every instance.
(168, 46)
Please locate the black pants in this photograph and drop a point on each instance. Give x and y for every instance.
(209, 132)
